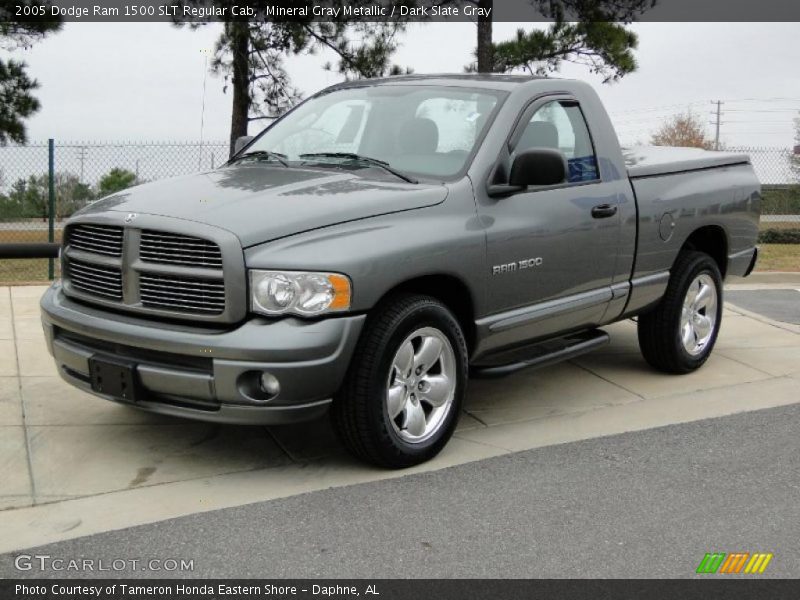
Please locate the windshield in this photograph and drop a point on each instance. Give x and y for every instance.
(424, 130)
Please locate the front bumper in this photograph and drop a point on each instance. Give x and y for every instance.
(207, 374)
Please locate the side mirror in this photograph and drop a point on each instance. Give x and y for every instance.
(538, 166)
(241, 142)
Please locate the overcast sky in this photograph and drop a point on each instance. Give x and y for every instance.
(142, 81)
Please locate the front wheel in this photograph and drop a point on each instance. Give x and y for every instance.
(402, 396)
(678, 335)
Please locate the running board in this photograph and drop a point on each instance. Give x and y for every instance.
(540, 355)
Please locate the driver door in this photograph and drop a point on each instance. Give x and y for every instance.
(551, 254)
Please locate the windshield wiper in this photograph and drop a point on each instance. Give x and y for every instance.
(281, 158)
(364, 159)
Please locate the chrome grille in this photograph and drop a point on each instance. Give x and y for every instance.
(98, 280)
(174, 249)
(98, 239)
(139, 269)
(174, 292)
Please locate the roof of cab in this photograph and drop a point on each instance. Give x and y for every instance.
(494, 81)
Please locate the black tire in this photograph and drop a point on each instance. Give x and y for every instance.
(359, 411)
(660, 328)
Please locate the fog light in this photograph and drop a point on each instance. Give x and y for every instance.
(269, 384)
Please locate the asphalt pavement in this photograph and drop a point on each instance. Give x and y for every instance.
(642, 504)
(649, 503)
(780, 305)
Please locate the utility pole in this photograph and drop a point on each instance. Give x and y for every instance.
(82, 158)
(717, 122)
(205, 54)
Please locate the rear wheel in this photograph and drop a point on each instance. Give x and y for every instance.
(678, 335)
(403, 393)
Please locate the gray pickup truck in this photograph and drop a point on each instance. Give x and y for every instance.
(388, 239)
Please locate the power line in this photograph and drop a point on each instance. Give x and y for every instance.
(757, 121)
(640, 122)
(773, 99)
(688, 105)
(665, 107)
(644, 119)
(764, 110)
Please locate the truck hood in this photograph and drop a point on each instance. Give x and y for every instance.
(260, 203)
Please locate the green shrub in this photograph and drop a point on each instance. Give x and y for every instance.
(779, 236)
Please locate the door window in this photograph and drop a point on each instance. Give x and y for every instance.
(560, 125)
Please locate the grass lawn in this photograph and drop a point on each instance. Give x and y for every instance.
(778, 257)
(24, 270)
(15, 236)
(772, 257)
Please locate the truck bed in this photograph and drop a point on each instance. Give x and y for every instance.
(649, 161)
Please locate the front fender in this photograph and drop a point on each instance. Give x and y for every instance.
(382, 252)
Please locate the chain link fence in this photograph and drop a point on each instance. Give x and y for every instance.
(85, 171)
(82, 172)
(778, 170)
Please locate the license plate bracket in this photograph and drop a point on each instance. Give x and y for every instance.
(113, 377)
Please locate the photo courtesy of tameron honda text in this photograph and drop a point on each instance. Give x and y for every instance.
(188, 590)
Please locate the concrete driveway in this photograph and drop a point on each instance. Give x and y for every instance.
(73, 465)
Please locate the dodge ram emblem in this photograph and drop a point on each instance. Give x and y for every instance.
(130, 217)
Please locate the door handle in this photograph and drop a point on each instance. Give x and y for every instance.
(603, 211)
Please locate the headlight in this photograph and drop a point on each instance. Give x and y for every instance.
(296, 292)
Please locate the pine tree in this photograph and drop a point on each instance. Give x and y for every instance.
(250, 55)
(17, 101)
(587, 32)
